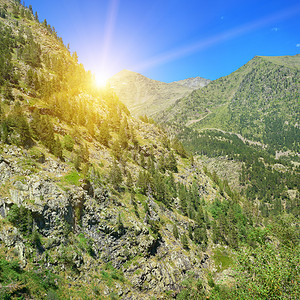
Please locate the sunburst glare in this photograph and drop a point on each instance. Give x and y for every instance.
(100, 80)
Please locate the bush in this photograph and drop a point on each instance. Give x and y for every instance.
(68, 143)
(21, 218)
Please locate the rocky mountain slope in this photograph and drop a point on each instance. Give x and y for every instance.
(194, 82)
(96, 204)
(146, 96)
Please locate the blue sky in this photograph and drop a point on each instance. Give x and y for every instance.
(169, 40)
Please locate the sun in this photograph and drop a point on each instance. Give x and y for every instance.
(101, 80)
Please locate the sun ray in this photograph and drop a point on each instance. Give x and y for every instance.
(109, 28)
(219, 38)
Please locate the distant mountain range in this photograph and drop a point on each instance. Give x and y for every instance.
(194, 82)
(259, 101)
(146, 96)
(98, 204)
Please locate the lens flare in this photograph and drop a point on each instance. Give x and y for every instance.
(100, 80)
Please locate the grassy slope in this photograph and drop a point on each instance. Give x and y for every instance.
(259, 100)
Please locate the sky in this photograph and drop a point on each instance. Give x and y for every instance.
(170, 40)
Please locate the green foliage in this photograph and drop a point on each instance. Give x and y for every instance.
(271, 275)
(42, 128)
(175, 232)
(31, 53)
(115, 176)
(68, 143)
(15, 128)
(21, 218)
(192, 288)
(36, 154)
(110, 274)
(222, 259)
(103, 135)
(267, 270)
(171, 162)
(179, 148)
(184, 241)
(6, 45)
(73, 178)
(86, 244)
(19, 284)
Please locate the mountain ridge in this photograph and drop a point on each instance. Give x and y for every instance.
(143, 95)
(266, 80)
(194, 82)
(98, 204)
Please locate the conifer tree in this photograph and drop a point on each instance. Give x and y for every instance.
(103, 136)
(123, 140)
(175, 232)
(115, 175)
(184, 242)
(142, 160)
(161, 164)
(129, 182)
(172, 163)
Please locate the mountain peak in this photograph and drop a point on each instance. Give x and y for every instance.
(194, 82)
(143, 95)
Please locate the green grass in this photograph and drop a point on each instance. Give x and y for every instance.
(73, 178)
(34, 283)
(222, 258)
(218, 118)
(110, 274)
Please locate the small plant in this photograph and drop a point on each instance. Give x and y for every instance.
(68, 143)
(73, 178)
(185, 242)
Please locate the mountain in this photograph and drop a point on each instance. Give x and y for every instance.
(146, 96)
(259, 101)
(245, 127)
(194, 82)
(93, 202)
(96, 204)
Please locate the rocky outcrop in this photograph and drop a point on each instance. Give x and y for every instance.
(142, 247)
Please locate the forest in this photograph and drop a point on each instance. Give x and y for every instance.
(51, 110)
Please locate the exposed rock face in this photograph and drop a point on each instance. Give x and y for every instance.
(194, 82)
(153, 262)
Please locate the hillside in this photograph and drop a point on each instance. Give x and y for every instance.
(146, 96)
(245, 128)
(260, 101)
(194, 82)
(96, 204)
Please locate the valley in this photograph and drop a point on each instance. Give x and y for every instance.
(144, 189)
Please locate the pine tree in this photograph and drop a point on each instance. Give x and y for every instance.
(103, 136)
(172, 163)
(68, 143)
(129, 182)
(184, 242)
(161, 164)
(123, 140)
(190, 230)
(142, 160)
(115, 175)
(57, 148)
(30, 9)
(117, 150)
(175, 232)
